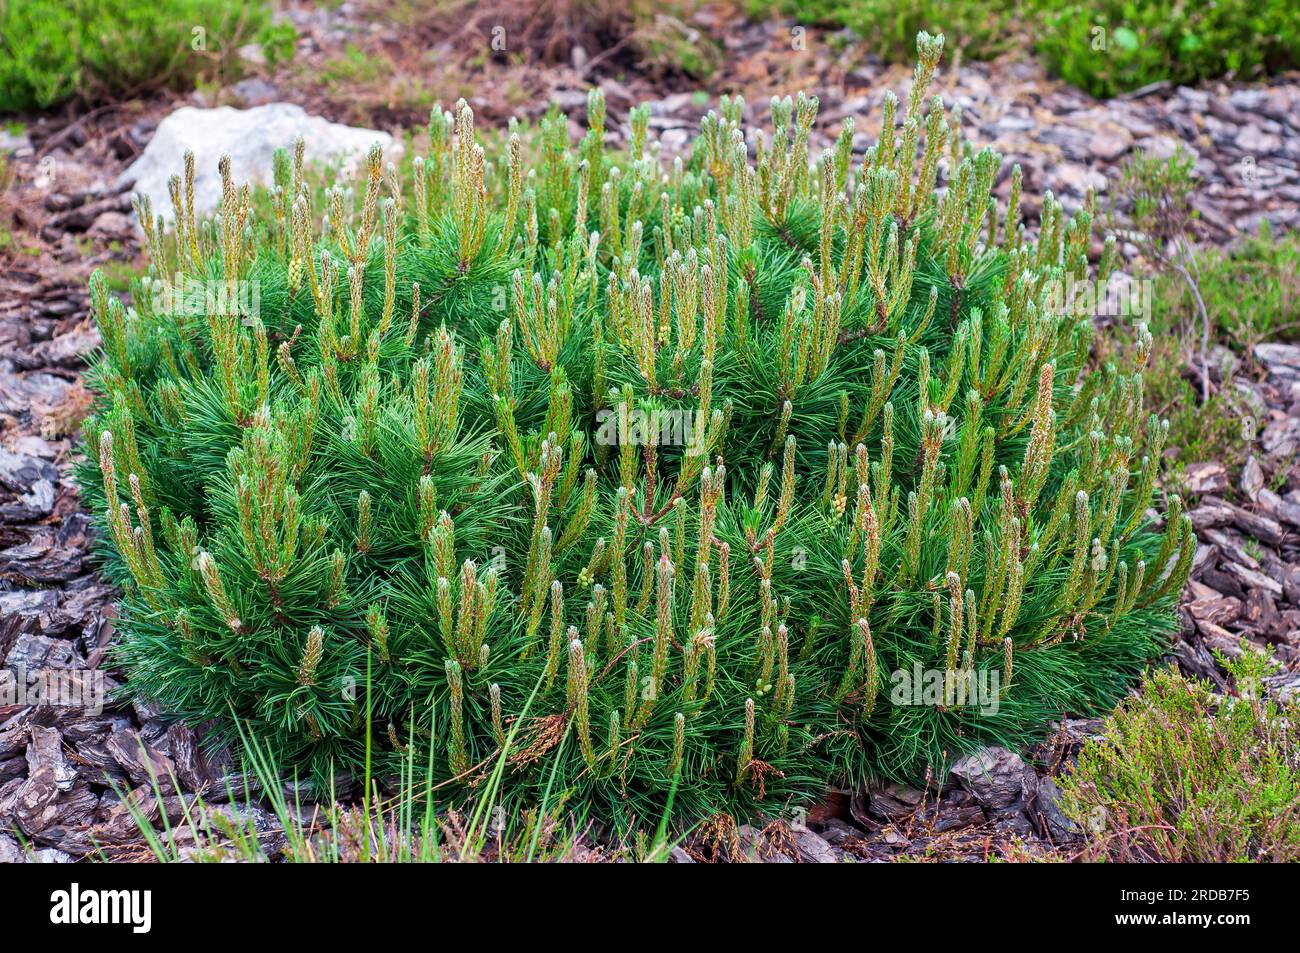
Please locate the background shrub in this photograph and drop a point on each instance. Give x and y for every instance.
(1111, 46)
(52, 50)
(981, 29)
(634, 481)
(1104, 47)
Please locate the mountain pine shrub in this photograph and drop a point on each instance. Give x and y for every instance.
(611, 476)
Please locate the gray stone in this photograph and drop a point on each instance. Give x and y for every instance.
(1197, 99)
(36, 652)
(46, 750)
(813, 849)
(1013, 824)
(957, 810)
(1077, 179)
(674, 141)
(20, 473)
(10, 852)
(1255, 141)
(997, 778)
(1285, 687)
(1281, 437)
(111, 224)
(1280, 358)
(41, 498)
(17, 143)
(254, 92)
(837, 833)
(1208, 477)
(250, 137)
(1110, 142)
(894, 801)
(252, 54)
(31, 604)
(1252, 478)
(1054, 822)
(1162, 147)
(758, 848)
(1073, 143)
(1248, 100)
(1013, 123)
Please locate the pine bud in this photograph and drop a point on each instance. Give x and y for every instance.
(363, 522)
(458, 757)
(745, 758)
(377, 626)
(615, 739)
(427, 495)
(217, 592)
(556, 643)
(337, 590)
(1008, 660)
(578, 699)
(498, 726)
(311, 656)
(679, 744)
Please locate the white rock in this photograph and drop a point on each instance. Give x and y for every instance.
(997, 778)
(813, 849)
(674, 141)
(250, 137)
(1286, 686)
(1281, 438)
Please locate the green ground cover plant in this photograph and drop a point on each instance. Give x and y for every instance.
(1185, 776)
(1210, 306)
(1251, 290)
(1251, 295)
(981, 29)
(1112, 46)
(625, 479)
(1105, 48)
(53, 50)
